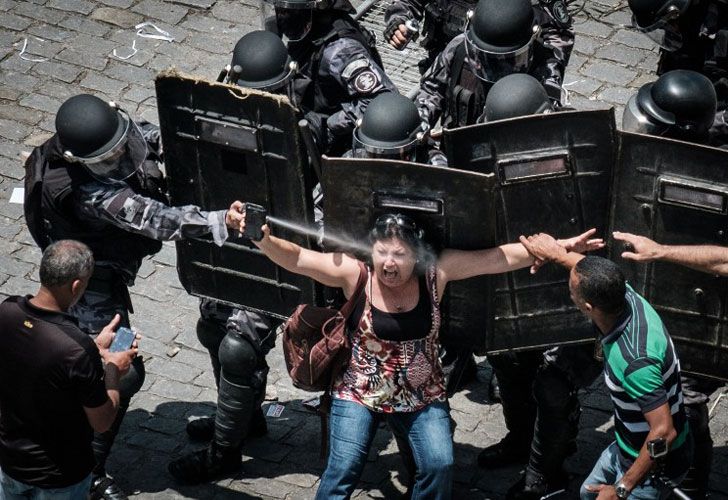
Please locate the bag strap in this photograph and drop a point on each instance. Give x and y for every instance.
(348, 308)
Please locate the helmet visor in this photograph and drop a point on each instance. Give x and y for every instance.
(663, 33)
(492, 66)
(293, 20)
(123, 159)
(635, 120)
(405, 152)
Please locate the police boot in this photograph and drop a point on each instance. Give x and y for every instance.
(203, 429)
(695, 484)
(534, 486)
(508, 451)
(103, 486)
(206, 464)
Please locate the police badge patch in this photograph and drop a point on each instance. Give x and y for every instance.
(366, 81)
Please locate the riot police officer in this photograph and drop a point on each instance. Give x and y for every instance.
(538, 388)
(391, 129)
(442, 21)
(681, 104)
(237, 340)
(502, 37)
(692, 35)
(340, 70)
(97, 180)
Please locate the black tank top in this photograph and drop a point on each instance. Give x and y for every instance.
(400, 326)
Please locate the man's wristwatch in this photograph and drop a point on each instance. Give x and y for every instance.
(622, 491)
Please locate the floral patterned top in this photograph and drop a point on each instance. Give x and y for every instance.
(389, 376)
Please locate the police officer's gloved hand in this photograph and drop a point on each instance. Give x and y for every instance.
(317, 122)
(393, 28)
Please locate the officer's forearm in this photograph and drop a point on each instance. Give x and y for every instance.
(706, 258)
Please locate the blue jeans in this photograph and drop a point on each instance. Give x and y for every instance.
(10, 489)
(351, 430)
(608, 470)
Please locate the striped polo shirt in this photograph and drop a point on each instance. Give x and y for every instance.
(642, 373)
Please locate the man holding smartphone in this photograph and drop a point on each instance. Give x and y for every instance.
(57, 385)
(642, 372)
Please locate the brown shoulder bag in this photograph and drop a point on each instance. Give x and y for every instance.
(315, 342)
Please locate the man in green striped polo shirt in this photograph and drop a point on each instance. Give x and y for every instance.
(642, 373)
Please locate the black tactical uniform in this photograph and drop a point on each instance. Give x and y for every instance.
(681, 104)
(98, 181)
(501, 38)
(340, 70)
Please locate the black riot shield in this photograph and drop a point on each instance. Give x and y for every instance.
(455, 208)
(553, 173)
(677, 193)
(224, 143)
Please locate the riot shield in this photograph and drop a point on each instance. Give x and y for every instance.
(552, 174)
(455, 208)
(677, 193)
(224, 143)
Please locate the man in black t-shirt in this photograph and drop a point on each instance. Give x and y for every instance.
(54, 389)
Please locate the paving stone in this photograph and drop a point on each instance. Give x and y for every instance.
(154, 441)
(18, 286)
(634, 39)
(236, 12)
(13, 22)
(622, 54)
(36, 139)
(169, 426)
(11, 165)
(175, 390)
(51, 16)
(48, 32)
(61, 71)
(195, 4)
(86, 26)
(80, 6)
(609, 72)
(587, 45)
(592, 28)
(16, 63)
(96, 62)
(6, 5)
(108, 86)
(616, 95)
(122, 4)
(13, 131)
(29, 254)
(173, 370)
(41, 103)
(19, 113)
(583, 86)
(208, 24)
(217, 44)
(18, 80)
(118, 17)
(161, 10)
(138, 94)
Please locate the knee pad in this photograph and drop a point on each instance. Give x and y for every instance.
(238, 359)
(132, 380)
(210, 334)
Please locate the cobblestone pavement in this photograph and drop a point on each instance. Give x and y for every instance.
(69, 47)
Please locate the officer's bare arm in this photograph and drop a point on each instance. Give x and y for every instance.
(711, 259)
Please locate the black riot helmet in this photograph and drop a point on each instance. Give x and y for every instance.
(294, 18)
(261, 61)
(101, 137)
(390, 128)
(658, 20)
(499, 38)
(518, 94)
(681, 104)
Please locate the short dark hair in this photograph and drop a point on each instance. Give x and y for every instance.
(65, 261)
(601, 283)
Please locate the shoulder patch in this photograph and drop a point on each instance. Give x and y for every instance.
(558, 10)
(353, 67)
(131, 212)
(366, 82)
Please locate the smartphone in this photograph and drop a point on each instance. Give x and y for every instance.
(255, 216)
(122, 340)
